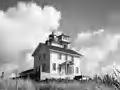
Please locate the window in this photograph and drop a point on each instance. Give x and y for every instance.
(39, 57)
(66, 57)
(43, 67)
(59, 67)
(44, 55)
(77, 70)
(70, 70)
(72, 58)
(54, 66)
(59, 56)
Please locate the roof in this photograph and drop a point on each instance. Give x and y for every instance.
(69, 51)
(27, 71)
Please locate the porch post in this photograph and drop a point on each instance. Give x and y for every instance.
(66, 67)
(40, 70)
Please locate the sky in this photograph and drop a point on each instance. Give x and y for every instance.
(92, 24)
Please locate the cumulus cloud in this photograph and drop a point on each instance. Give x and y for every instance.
(97, 46)
(21, 28)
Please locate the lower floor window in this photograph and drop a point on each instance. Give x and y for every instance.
(54, 66)
(70, 70)
(77, 70)
(43, 67)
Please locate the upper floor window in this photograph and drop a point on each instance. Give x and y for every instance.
(66, 57)
(54, 66)
(59, 56)
(72, 58)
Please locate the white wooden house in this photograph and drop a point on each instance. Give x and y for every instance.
(54, 58)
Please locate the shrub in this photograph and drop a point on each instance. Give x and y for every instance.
(107, 80)
(110, 81)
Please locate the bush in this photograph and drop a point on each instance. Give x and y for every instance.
(110, 81)
(107, 80)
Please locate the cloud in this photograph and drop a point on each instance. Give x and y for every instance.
(96, 47)
(86, 38)
(21, 28)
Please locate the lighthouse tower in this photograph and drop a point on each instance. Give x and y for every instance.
(61, 40)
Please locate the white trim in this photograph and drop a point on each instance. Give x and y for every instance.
(65, 53)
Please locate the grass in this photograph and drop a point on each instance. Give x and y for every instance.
(75, 85)
(10, 84)
(97, 83)
(107, 80)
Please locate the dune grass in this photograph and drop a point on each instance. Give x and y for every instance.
(97, 83)
(107, 80)
(9, 84)
(75, 85)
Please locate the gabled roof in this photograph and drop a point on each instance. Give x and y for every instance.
(69, 51)
(64, 50)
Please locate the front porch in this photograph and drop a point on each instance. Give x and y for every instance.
(66, 68)
(55, 76)
(63, 71)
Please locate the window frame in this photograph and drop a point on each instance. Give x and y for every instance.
(66, 57)
(54, 66)
(77, 70)
(39, 57)
(44, 56)
(72, 58)
(60, 56)
(44, 67)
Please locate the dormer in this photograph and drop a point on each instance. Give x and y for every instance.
(60, 40)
